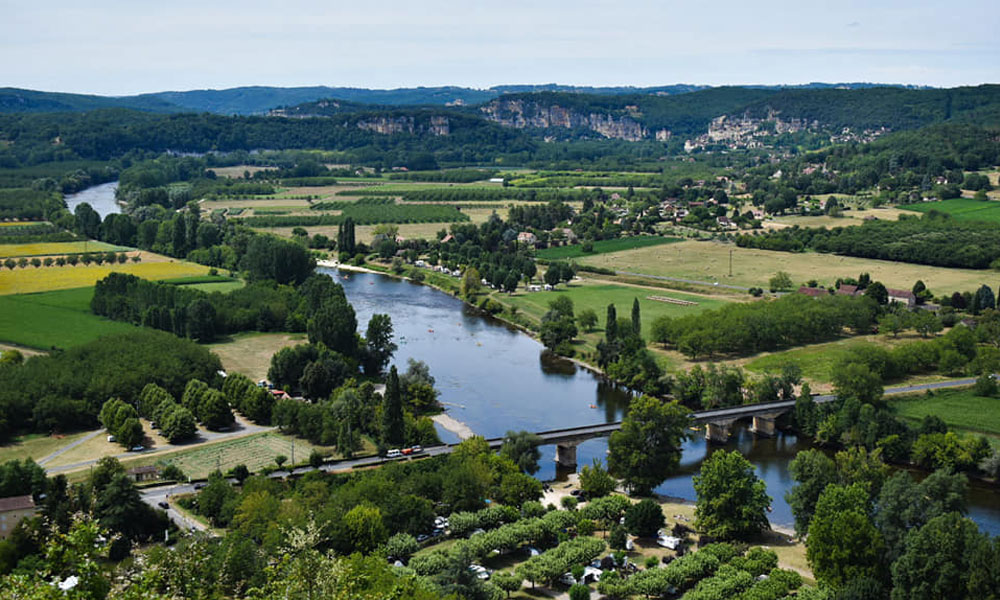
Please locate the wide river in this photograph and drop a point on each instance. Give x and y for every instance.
(100, 197)
(494, 378)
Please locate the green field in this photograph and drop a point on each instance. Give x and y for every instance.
(962, 209)
(56, 248)
(960, 409)
(815, 361)
(208, 283)
(603, 246)
(60, 318)
(254, 451)
(596, 296)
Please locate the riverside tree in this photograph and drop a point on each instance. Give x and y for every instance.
(647, 448)
(732, 500)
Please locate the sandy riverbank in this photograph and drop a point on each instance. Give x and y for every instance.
(455, 426)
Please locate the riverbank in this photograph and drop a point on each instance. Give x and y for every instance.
(453, 425)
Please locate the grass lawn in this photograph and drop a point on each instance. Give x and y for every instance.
(604, 246)
(36, 446)
(596, 295)
(24, 281)
(59, 318)
(960, 409)
(254, 451)
(962, 209)
(709, 261)
(250, 353)
(817, 360)
(55, 248)
(851, 217)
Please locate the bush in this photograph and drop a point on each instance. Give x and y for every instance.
(578, 591)
(986, 386)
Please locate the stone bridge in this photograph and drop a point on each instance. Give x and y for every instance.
(717, 425)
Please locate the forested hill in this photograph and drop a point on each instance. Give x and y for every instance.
(252, 100)
(15, 100)
(643, 116)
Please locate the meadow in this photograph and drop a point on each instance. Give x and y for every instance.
(56, 248)
(960, 409)
(26, 281)
(250, 353)
(962, 209)
(36, 446)
(605, 246)
(208, 283)
(596, 295)
(255, 451)
(58, 318)
(709, 261)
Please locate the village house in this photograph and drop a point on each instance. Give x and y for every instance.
(13, 510)
(526, 237)
(848, 290)
(903, 297)
(147, 473)
(813, 291)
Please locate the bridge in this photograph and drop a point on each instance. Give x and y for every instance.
(718, 421)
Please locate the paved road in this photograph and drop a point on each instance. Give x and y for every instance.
(85, 438)
(154, 496)
(681, 280)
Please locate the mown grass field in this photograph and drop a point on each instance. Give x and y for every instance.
(962, 209)
(36, 446)
(596, 295)
(25, 281)
(58, 318)
(818, 360)
(605, 246)
(250, 353)
(709, 261)
(208, 283)
(56, 248)
(960, 409)
(255, 451)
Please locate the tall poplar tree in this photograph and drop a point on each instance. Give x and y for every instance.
(392, 411)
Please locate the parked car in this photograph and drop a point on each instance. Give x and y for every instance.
(423, 537)
(139, 448)
(668, 541)
(163, 505)
(532, 551)
(480, 571)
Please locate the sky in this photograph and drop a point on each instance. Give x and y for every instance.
(115, 47)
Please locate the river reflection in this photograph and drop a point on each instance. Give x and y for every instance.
(495, 378)
(100, 197)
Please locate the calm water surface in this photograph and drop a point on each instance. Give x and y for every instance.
(494, 378)
(100, 197)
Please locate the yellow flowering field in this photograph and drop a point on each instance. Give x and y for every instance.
(30, 279)
(54, 248)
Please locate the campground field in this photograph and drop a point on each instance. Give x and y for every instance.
(709, 261)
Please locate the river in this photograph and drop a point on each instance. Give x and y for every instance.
(494, 378)
(100, 197)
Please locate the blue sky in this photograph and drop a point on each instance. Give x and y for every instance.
(126, 47)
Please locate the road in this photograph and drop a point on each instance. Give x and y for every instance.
(85, 438)
(154, 496)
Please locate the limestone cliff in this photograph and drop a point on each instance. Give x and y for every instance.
(522, 114)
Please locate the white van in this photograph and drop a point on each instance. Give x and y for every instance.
(394, 453)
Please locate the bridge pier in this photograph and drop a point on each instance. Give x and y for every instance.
(718, 431)
(763, 425)
(566, 455)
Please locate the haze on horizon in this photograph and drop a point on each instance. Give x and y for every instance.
(117, 47)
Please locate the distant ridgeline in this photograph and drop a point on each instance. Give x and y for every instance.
(514, 127)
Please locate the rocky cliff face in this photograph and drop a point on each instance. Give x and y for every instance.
(438, 125)
(521, 114)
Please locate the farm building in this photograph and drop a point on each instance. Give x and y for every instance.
(13, 510)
